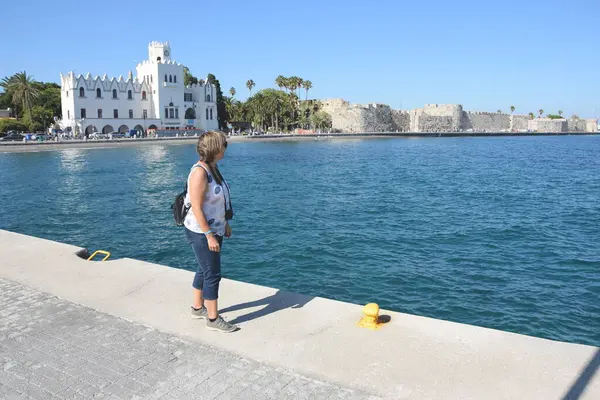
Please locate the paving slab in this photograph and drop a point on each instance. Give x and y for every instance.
(55, 349)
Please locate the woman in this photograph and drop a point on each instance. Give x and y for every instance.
(205, 225)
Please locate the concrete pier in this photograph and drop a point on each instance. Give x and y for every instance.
(310, 343)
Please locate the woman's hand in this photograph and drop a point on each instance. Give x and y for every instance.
(213, 243)
(227, 231)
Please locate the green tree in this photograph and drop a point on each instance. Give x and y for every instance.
(499, 111)
(38, 118)
(307, 86)
(188, 78)
(540, 111)
(221, 109)
(23, 90)
(232, 91)
(250, 85)
(280, 82)
(531, 115)
(321, 120)
(560, 112)
(512, 109)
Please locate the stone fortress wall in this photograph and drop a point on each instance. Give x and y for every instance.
(374, 117)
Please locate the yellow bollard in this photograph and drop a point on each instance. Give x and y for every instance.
(370, 319)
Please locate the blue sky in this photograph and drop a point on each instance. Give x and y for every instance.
(485, 55)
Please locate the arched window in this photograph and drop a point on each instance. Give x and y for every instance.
(114, 93)
(129, 95)
(144, 95)
(98, 92)
(158, 59)
(166, 79)
(211, 113)
(170, 78)
(207, 113)
(174, 78)
(171, 104)
(208, 98)
(81, 92)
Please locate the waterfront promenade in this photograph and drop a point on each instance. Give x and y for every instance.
(121, 328)
(106, 143)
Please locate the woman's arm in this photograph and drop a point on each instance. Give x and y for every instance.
(197, 188)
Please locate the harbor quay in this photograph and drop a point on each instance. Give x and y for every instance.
(73, 328)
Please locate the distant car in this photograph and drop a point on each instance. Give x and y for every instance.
(13, 137)
(118, 135)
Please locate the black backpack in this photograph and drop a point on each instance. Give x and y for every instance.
(179, 208)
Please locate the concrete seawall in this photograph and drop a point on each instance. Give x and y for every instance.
(411, 357)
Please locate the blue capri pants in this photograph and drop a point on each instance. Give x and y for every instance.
(208, 274)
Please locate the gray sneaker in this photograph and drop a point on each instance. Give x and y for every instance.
(220, 325)
(199, 314)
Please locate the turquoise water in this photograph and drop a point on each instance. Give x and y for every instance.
(496, 232)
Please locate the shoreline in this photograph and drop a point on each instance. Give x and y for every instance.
(17, 147)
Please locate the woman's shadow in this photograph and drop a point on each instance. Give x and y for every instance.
(278, 301)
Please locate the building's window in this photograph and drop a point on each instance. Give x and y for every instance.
(166, 78)
(171, 104)
(130, 113)
(174, 78)
(81, 92)
(114, 93)
(166, 112)
(170, 78)
(145, 114)
(67, 93)
(208, 98)
(207, 113)
(151, 80)
(211, 113)
(171, 113)
(99, 113)
(98, 93)
(144, 95)
(158, 59)
(177, 113)
(83, 113)
(129, 95)
(68, 114)
(116, 113)
(187, 97)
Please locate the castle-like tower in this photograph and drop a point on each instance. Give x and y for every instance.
(156, 98)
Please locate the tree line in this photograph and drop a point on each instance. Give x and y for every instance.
(34, 104)
(269, 109)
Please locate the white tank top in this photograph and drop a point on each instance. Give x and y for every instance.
(213, 205)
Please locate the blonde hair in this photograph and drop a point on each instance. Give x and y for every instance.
(210, 144)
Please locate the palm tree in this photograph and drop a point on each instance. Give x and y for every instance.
(307, 86)
(512, 109)
(23, 90)
(560, 112)
(250, 85)
(232, 91)
(540, 111)
(499, 111)
(531, 116)
(280, 81)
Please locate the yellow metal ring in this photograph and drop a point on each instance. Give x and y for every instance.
(106, 255)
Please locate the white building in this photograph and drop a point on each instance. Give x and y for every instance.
(154, 99)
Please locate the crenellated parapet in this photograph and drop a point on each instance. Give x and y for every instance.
(70, 81)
